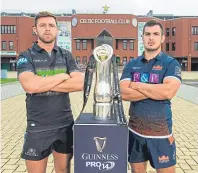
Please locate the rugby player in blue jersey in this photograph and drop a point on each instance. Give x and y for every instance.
(149, 82)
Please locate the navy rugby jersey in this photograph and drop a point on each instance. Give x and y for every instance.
(148, 117)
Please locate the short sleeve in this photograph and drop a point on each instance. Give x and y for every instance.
(126, 74)
(173, 70)
(24, 64)
(72, 66)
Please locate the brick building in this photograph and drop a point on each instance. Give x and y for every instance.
(80, 34)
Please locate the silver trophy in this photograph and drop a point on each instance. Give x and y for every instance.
(102, 108)
(106, 125)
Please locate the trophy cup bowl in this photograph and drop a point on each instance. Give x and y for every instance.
(102, 108)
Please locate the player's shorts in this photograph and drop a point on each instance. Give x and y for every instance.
(39, 145)
(161, 152)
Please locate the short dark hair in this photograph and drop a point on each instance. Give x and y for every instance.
(44, 14)
(153, 23)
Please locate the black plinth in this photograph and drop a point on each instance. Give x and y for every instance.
(99, 146)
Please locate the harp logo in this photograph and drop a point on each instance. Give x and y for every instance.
(100, 143)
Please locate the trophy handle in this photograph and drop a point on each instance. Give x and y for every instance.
(117, 99)
(88, 80)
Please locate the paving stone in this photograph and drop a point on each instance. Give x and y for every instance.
(13, 125)
(185, 166)
(21, 168)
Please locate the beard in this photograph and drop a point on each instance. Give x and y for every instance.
(46, 41)
(152, 49)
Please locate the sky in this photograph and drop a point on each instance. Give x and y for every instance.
(136, 7)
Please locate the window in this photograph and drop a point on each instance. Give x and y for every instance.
(33, 33)
(116, 44)
(173, 31)
(78, 60)
(11, 45)
(124, 60)
(131, 45)
(131, 58)
(167, 46)
(118, 60)
(2, 29)
(84, 45)
(11, 29)
(14, 30)
(167, 31)
(3, 45)
(84, 61)
(125, 44)
(196, 46)
(194, 30)
(173, 46)
(92, 44)
(77, 44)
(8, 29)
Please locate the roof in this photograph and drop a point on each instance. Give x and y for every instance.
(159, 16)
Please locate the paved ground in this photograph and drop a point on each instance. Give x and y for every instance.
(192, 83)
(187, 75)
(188, 92)
(11, 90)
(14, 122)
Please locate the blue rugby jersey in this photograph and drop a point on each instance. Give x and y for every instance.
(151, 118)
